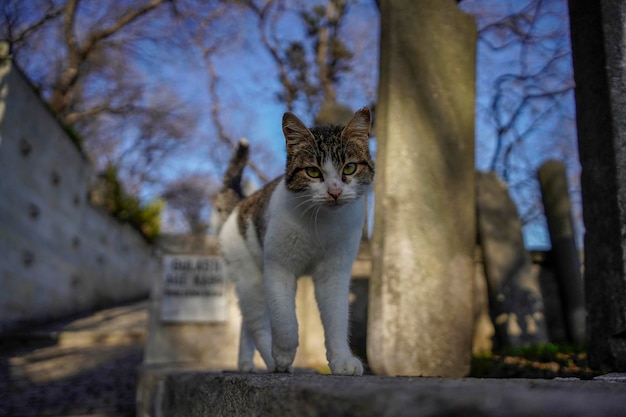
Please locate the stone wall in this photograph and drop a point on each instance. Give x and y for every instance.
(59, 255)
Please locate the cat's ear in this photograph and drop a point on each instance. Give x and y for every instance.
(295, 131)
(359, 126)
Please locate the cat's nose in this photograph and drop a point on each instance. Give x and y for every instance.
(334, 194)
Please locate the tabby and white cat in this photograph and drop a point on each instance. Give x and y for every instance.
(306, 222)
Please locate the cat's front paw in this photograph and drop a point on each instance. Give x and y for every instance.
(246, 366)
(283, 359)
(348, 365)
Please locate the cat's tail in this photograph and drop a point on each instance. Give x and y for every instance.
(231, 192)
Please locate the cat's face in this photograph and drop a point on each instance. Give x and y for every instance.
(329, 165)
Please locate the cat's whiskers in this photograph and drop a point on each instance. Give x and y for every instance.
(311, 207)
(317, 236)
(314, 207)
(307, 200)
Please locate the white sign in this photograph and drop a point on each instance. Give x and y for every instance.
(193, 289)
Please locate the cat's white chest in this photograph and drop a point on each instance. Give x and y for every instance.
(301, 237)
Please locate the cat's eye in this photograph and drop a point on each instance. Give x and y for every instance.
(349, 169)
(313, 172)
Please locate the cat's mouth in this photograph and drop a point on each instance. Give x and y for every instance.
(335, 204)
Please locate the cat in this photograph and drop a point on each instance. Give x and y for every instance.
(307, 222)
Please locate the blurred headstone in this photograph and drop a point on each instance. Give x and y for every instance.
(333, 113)
(515, 301)
(194, 289)
(192, 322)
(482, 341)
(557, 207)
(544, 270)
(599, 58)
(421, 292)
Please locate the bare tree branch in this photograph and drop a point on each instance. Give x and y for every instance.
(11, 23)
(530, 92)
(216, 112)
(77, 55)
(207, 51)
(131, 16)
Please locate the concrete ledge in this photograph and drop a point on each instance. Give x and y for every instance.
(231, 394)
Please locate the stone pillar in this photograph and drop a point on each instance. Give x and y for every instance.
(515, 300)
(599, 49)
(557, 207)
(420, 312)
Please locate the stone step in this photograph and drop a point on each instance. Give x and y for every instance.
(186, 393)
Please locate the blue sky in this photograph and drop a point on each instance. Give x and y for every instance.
(547, 125)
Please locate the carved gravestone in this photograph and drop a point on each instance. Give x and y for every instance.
(194, 317)
(557, 207)
(421, 291)
(515, 301)
(599, 58)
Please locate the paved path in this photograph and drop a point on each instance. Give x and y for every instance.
(86, 366)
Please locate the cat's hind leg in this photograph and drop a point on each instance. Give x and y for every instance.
(255, 326)
(245, 362)
(244, 271)
(247, 346)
